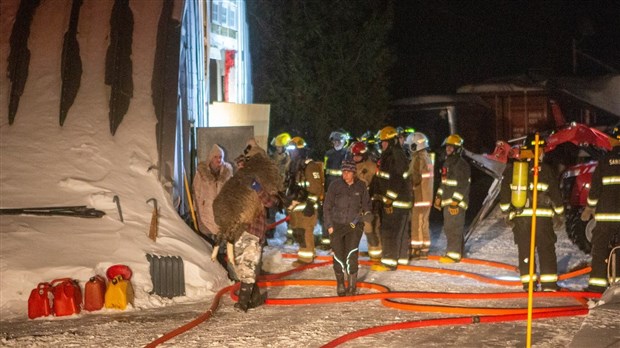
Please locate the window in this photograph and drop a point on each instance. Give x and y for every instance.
(224, 18)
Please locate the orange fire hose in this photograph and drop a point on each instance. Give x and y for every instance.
(388, 299)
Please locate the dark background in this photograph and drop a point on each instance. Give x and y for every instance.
(442, 45)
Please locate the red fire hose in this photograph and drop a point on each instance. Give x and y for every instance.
(389, 299)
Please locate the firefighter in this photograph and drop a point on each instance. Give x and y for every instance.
(395, 192)
(280, 156)
(305, 182)
(365, 171)
(604, 204)
(421, 172)
(516, 200)
(282, 159)
(452, 197)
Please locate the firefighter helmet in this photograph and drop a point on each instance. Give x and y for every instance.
(281, 140)
(358, 148)
(339, 136)
(368, 138)
(405, 132)
(387, 133)
(417, 141)
(454, 140)
(297, 143)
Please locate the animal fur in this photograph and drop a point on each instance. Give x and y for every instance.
(237, 204)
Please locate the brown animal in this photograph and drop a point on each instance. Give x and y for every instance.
(237, 203)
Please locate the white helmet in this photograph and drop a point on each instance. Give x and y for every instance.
(417, 141)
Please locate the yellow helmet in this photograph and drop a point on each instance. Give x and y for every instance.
(281, 140)
(297, 143)
(388, 133)
(454, 140)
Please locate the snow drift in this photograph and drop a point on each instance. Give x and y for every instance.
(81, 163)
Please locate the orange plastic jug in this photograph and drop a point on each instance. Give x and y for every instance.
(94, 293)
(67, 297)
(39, 301)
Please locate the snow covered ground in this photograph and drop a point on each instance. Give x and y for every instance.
(314, 325)
(81, 163)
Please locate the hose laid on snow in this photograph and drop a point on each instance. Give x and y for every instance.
(448, 321)
(195, 322)
(388, 299)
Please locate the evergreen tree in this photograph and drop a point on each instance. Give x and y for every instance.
(322, 65)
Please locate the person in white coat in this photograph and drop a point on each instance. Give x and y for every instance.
(208, 181)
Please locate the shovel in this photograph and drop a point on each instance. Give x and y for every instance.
(153, 229)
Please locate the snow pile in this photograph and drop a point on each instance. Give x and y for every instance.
(81, 163)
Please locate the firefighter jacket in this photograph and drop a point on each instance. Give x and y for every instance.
(346, 204)
(365, 171)
(309, 178)
(605, 188)
(455, 182)
(392, 183)
(549, 197)
(421, 172)
(332, 162)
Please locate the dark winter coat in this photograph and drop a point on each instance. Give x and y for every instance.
(345, 204)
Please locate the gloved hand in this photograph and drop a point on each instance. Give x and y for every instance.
(387, 206)
(587, 213)
(453, 209)
(437, 203)
(256, 186)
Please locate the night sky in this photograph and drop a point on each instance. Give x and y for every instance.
(442, 45)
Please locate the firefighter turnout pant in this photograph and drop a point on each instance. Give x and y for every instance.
(420, 233)
(395, 237)
(453, 227)
(545, 247)
(303, 233)
(373, 236)
(603, 235)
(345, 241)
(248, 252)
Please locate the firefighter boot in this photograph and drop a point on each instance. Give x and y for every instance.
(352, 289)
(423, 254)
(415, 254)
(245, 293)
(256, 299)
(340, 289)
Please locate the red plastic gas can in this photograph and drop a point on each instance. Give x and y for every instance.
(39, 301)
(94, 293)
(67, 297)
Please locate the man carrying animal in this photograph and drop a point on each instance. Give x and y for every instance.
(240, 212)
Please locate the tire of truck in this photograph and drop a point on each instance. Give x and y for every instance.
(576, 229)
